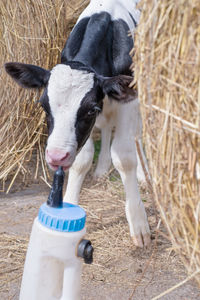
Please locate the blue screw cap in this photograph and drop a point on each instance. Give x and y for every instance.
(68, 218)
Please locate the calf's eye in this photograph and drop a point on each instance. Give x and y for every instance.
(93, 111)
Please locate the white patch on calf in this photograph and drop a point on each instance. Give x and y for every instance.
(66, 89)
(118, 9)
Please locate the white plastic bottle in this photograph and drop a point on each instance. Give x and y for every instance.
(52, 268)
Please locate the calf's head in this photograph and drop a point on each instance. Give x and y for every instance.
(72, 99)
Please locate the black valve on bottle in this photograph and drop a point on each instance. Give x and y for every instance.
(85, 250)
(55, 198)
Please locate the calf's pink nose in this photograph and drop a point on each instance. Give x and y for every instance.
(56, 155)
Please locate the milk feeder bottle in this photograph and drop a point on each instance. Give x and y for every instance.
(52, 269)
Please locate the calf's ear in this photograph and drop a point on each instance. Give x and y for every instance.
(28, 76)
(117, 88)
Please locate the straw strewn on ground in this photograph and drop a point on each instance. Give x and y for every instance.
(31, 32)
(167, 68)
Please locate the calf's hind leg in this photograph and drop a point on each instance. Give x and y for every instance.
(123, 153)
(104, 160)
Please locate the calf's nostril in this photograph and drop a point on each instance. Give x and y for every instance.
(66, 156)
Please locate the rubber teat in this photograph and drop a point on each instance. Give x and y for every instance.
(55, 198)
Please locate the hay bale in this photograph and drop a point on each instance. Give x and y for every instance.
(167, 68)
(31, 32)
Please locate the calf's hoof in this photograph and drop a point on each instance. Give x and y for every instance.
(142, 241)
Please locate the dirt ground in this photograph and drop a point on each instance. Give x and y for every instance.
(119, 270)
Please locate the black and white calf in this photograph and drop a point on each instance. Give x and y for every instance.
(85, 90)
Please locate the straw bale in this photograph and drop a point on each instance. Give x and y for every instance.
(167, 69)
(31, 32)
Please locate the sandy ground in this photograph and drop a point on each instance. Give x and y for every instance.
(119, 271)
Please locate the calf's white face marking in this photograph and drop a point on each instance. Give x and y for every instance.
(66, 89)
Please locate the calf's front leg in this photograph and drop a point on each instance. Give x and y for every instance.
(78, 171)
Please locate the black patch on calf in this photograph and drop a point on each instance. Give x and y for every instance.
(101, 44)
(74, 41)
(95, 41)
(28, 76)
(76, 65)
(44, 101)
(122, 45)
(95, 48)
(87, 113)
